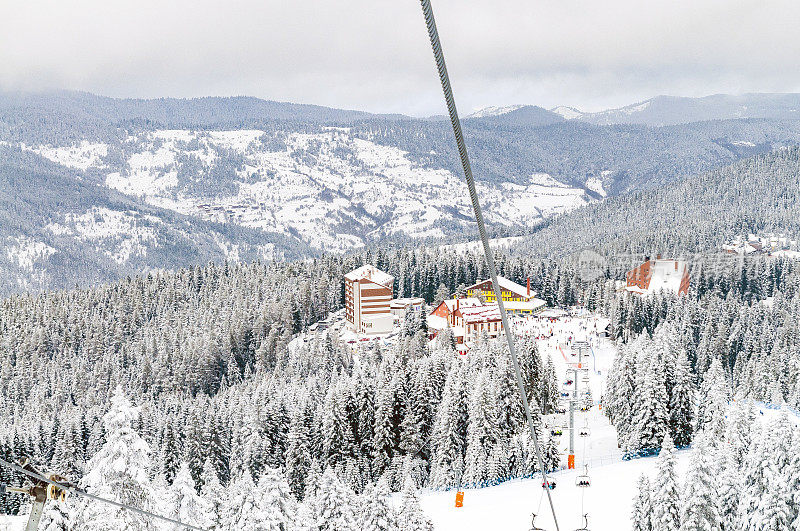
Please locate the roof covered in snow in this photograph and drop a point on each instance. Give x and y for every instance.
(436, 323)
(372, 273)
(531, 305)
(508, 285)
(477, 314)
(466, 302)
(666, 275)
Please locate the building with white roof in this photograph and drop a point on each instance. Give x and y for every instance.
(368, 294)
(659, 275)
(401, 307)
(510, 290)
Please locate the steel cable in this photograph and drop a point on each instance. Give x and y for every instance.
(444, 78)
(85, 494)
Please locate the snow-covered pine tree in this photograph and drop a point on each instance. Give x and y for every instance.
(298, 453)
(448, 439)
(651, 418)
(411, 516)
(666, 500)
(713, 401)
(482, 433)
(642, 517)
(58, 516)
(120, 471)
(376, 513)
(682, 400)
(334, 505)
(383, 441)
(729, 489)
(700, 511)
(239, 507)
(275, 510)
(793, 479)
(213, 494)
(184, 502)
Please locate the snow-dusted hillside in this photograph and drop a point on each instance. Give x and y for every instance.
(328, 188)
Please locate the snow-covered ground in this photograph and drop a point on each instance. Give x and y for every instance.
(12, 523)
(607, 501)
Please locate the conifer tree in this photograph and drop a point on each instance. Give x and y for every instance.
(275, 508)
(334, 505)
(642, 516)
(713, 401)
(298, 453)
(411, 516)
(650, 419)
(120, 472)
(666, 500)
(681, 403)
(700, 511)
(213, 494)
(185, 504)
(377, 514)
(449, 433)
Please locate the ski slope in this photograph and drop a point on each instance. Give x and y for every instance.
(609, 499)
(509, 506)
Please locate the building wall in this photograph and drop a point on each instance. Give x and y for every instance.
(349, 302)
(364, 297)
(684, 289)
(640, 276)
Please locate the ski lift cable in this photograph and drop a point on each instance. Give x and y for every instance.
(444, 78)
(85, 494)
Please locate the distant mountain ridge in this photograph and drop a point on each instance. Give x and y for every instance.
(672, 110)
(137, 185)
(199, 112)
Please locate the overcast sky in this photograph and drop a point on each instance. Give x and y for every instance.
(374, 54)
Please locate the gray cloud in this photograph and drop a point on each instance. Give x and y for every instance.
(374, 54)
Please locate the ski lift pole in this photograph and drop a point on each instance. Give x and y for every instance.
(444, 78)
(572, 402)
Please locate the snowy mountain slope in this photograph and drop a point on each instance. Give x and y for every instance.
(493, 111)
(569, 113)
(698, 214)
(58, 230)
(305, 178)
(328, 188)
(516, 116)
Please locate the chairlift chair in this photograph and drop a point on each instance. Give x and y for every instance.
(583, 480)
(550, 484)
(584, 432)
